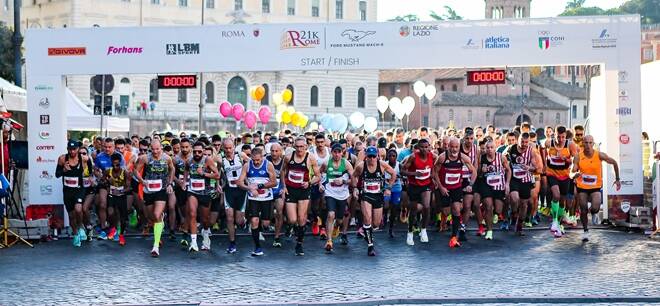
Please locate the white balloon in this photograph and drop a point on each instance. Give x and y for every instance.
(419, 87)
(277, 98)
(370, 124)
(399, 113)
(314, 125)
(395, 104)
(357, 120)
(382, 104)
(408, 105)
(430, 92)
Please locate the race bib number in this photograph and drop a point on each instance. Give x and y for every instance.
(557, 161)
(466, 172)
(87, 182)
(589, 179)
(423, 174)
(519, 173)
(296, 176)
(494, 180)
(197, 184)
(452, 178)
(71, 182)
(116, 190)
(372, 187)
(153, 185)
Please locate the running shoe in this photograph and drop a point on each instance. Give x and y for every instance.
(371, 251)
(257, 252)
(90, 235)
(545, 211)
(335, 232)
(315, 228)
(403, 215)
(277, 243)
(527, 224)
(585, 237)
(323, 234)
(423, 236)
(416, 229)
(184, 242)
(299, 250)
(216, 227)
(103, 235)
(122, 240)
(116, 238)
(343, 239)
(82, 234)
(261, 237)
(133, 220)
(155, 252)
(561, 229)
(462, 235)
(505, 225)
(489, 235)
(481, 231)
(536, 220)
(231, 249)
(557, 234)
(328, 246)
(76, 241)
(496, 218)
(111, 233)
(453, 242)
(206, 240)
(595, 219)
(410, 239)
(193, 247)
(519, 229)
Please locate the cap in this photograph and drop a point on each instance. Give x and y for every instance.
(73, 144)
(372, 151)
(337, 147)
(169, 134)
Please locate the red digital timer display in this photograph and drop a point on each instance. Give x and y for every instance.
(177, 81)
(486, 77)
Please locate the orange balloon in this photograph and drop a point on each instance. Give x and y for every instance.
(259, 93)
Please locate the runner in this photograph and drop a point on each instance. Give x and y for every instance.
(418, 168)
(297, 183)
(318, 211)
(257, 178)
(70, 169)
(560, 154)
(276, 159)
(102, 162)
(494, 175)
(335, 188)
(198, 174)
(470, 200)
(180, 162)
(393, 201)
(523, 163)
(89, 183)
(448, 177)
(157, 184)
(372, 171)
(232, 164)
(119, 181)
(588, 173)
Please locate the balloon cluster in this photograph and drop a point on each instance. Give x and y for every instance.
(405, 107)
(237, 111)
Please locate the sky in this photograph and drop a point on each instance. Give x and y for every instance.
(474, 9)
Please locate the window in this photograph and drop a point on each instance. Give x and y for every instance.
(314, 96)
(361, 94)
(209, 92)
(541, 118)
(210, 4)
(339, 9)
(155, 1)
(451, 114)
(92, 92)
(469, 116)
(125, 81)
(265, 6)
(182, 95)
(392, 90)
(487, 116)
(183, 3)
(291, 7)
(337, 96)
(363, 10)
(557, 118)
(153, 90)
(425, 100)
(266, 98)
(315, 8)
(293, 93)
(442, 87)
(425, 120)
(454, 87)
(648, 54)
(238, 5)
(584, 111)
(237, 91)
(574, 112)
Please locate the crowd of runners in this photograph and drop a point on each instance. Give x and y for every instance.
(424, 180)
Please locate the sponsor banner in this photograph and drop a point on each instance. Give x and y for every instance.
(68, 51)
(605, 40)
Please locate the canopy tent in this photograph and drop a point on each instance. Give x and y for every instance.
(13, 96)
(81, 118)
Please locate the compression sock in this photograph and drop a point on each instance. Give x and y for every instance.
(255, 237)
(455, 225)
(368, 234)
(158, 231)
(554, 210)
(411, 222)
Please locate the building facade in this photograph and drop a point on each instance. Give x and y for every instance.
(650, 42)
(315, 92)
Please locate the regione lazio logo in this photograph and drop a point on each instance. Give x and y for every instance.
(295, 39)
(404, 31)
(547, 40)
(182, 49)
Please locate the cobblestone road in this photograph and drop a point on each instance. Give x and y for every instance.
(102, 272)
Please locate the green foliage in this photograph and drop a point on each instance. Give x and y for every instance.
(405, 18)
(6, 53)
(649, 10)
(450, 14)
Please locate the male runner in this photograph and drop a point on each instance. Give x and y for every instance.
(393, 201)
(322, 155)
(70, 169)
(470, 199)
(493, 174)
(119, 183)
(180, 162)
(275, 158)
(523, 163)
(338, 173)
(560, 154)
(232, 164)
(418, 168)
(199, 172)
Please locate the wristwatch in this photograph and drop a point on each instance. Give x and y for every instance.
(260, 186)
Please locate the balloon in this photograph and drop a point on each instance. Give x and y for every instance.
(326, 120)
(287, 95)
(408, 105)
(357, 120)
(259, 93)
(278, 117)
(303, 122)
(295, 118)
(251, 91)
(395, 104)
(250, 119)
(281, 108)
(430, 91)
(370, 124)
(264, 114)
(314, 125)
(286, 117)
(399, 114)
(277, 98)
(419, 87)
(225, 109)
(237, 110)
(382, 104)
(290, 109)
(339, 123)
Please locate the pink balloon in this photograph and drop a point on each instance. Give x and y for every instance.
(250, 119)
(237, 110)
(264, 114)
(225, 109)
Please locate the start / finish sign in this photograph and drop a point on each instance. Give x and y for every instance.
(610, 41)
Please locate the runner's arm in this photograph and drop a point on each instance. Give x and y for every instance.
(611, 161)
(507, 171)
(59, 170)
(405, 166)
(317, 173)
(356, 173)
(171, 169)
(240, 182)
(138, 169)
(210, 164)
(272, 178)
(473, 170)
(349, 170)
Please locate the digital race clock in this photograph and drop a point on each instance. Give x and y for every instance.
(177, 81)
(486, 77)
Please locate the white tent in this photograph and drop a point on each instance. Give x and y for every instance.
(13, 96)
(81, 118)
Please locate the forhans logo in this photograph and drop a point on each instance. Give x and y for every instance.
(124, 50)
(294, 39)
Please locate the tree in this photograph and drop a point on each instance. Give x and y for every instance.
(451, 14)
(574, 4)
(6, 53)
(405, 18)
(649, 10)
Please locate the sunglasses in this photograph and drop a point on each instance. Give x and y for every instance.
(371, 156)
(198, 151)
(143, 150)
(580, 135)
(300, 146)
(83, 153)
